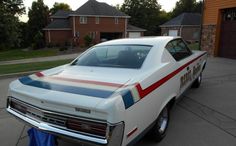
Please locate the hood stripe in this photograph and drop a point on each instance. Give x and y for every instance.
(62, 88)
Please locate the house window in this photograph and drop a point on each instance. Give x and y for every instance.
(97, 20)
(92, 35)
(83, 20)
(116, 20)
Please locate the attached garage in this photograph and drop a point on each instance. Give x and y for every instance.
(227, 46)
(173, 33)
(218, 35)
(134, 32)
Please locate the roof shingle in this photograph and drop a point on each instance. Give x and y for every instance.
(92, 7)
(132, 28)
(58, 24)
(61, 14)
(184, 19)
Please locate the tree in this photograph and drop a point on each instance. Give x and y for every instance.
(59, 6)
(144, 13)
(9, 24)
(38, 18)
(190, 6)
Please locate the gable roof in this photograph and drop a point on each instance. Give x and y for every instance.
(184, 19)
(94, 8)
(61, 14)
(132, 28)
(58, 24)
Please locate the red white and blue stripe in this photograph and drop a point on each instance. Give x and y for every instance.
(130, 93)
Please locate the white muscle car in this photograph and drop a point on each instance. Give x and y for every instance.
(112, 94)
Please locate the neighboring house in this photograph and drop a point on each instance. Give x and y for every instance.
(134, 32)
(186, 25)
(98, 20)
(219, 28)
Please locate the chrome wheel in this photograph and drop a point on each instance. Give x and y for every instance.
(163, 121)
(158, 131)
(197, 81)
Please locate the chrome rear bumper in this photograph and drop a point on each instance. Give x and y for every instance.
(114, 139)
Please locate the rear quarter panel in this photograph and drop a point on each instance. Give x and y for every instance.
(144, 112)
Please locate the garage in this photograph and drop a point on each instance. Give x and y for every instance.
(134, 34)
(227, 48)
(218, 31)
(173, 33)
(134, 31)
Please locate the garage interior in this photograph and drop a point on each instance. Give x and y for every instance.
(110, 35)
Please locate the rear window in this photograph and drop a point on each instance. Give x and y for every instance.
(118, 56)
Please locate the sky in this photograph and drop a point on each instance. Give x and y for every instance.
(167, 5)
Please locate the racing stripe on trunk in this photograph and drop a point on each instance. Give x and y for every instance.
(62, 88)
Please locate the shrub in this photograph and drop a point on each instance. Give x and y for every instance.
(63, 48)
(49, 45)
(38, 41)
(88, 40)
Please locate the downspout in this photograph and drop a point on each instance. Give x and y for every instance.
(126, 27)
(74, 25)
(201, 26)
(49, 36)
(180, 31)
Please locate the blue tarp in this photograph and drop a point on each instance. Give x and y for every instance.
(40, 138)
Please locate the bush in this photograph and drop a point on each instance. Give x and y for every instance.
(49, 45)
(87, 40)
(38, 41)
(67, 43)
(63, 48)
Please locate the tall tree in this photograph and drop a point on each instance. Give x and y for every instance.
(38, 19)
(59, 6)
(186, 6)
(9, 32)
(144, 13)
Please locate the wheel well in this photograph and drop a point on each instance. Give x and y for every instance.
(171, 103)
(204, 66)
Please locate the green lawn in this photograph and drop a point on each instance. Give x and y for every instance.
(15, 68)
(15, 54)
(194, 46)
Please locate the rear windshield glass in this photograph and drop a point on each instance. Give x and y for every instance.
(118, 56)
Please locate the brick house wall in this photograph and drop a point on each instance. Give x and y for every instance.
(165, 30)
(188, 33)
(106, 24)
(212, 23)
(191, 33)
(58, 37)
(78, 31)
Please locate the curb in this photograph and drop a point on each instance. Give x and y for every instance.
(5, 76)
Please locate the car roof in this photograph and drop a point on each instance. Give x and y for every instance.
(140, 41)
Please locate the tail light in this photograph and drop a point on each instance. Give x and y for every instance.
(93, 128)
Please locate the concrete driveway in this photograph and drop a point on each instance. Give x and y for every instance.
(203, 117)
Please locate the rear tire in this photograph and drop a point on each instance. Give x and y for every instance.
(197, 82)
(158, 132)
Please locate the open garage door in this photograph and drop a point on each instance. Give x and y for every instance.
(228, 34)
(110, 35)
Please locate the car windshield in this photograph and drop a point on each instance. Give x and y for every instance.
(118, 56)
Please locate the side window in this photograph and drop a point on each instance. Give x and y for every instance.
(178, 49)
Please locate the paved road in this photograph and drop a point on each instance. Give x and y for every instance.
(203, 117)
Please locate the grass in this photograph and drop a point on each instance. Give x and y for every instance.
(15, 54)
(15, 68)
(194, 46)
